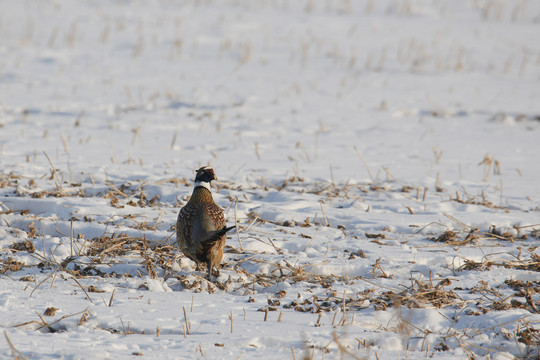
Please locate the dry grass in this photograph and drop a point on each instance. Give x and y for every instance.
(156, 259)
(474, 235)
(16, 354)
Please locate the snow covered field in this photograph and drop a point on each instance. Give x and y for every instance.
(380, 159)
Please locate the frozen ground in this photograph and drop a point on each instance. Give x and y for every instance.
(380, 159)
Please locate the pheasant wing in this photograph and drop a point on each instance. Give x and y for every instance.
(207, 226)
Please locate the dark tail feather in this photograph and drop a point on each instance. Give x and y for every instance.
(227, 229)
(219, 234)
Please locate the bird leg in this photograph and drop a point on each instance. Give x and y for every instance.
(210, 266)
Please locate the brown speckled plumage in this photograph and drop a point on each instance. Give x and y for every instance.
(201, 229)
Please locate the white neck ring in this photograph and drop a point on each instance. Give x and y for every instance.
(204, 184)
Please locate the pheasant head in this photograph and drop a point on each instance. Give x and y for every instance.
(204, 176)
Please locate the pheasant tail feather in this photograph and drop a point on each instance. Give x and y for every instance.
(219, 234)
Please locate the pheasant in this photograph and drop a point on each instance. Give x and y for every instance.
(201, 229)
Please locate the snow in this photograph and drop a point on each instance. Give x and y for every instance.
(380, 159)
